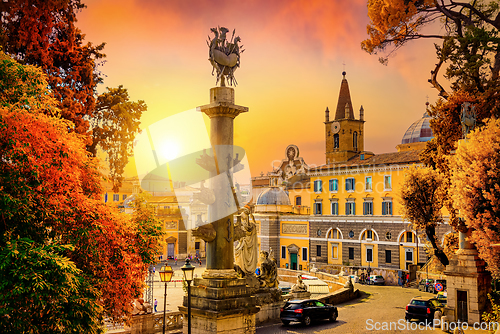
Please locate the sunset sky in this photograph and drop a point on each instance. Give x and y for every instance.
(290, 72)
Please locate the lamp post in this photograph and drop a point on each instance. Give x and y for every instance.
(188, 271)
(166, 273)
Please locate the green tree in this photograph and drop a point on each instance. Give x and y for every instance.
(44, 33)
(422, 196)
(42, 291)
(475, 185)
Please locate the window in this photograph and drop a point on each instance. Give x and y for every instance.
(336, 140)
(355, 140)
(298, 201)
(116, 197)
(318, 208)
(283, 252)
(388, 235)
(124, 197)
(333, 185)
(333, 234)
(197, 245)
(350, 208)
(318, 186)
(387, 182)
(387, 207)
(409, 255)
(368, 208)
(334, 208)
(351, 253)
(349, 184)
(304, 254)
(335, 251)
(369, 254)
(368, 183)
(369, 234)
(351, 234)
(409, 237)
(387, 256)
(318, 250)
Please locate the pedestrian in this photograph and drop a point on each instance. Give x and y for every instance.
(154, 268)
(403, 280)
(156, 305)
(175, 260)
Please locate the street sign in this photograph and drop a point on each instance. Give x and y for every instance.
(438, 287)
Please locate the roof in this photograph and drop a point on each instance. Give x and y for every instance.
(419, 131)
(273, 196)
(344, 98)
(405, 157)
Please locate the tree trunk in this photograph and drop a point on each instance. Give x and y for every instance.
(431, 234)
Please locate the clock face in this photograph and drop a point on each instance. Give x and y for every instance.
(335, 127)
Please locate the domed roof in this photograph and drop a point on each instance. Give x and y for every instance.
(419, 131)
(273, 196)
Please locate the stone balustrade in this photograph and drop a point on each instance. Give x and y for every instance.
(147, 324)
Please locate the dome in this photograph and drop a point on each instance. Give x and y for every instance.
(273, 196)
(419, 131)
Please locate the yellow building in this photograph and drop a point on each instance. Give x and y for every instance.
(350, 214)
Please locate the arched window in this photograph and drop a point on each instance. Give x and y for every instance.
(336, 140)
(355, 140)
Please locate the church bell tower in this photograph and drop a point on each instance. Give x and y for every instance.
(344, 134)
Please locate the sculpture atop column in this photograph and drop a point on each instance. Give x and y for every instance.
(224, 55)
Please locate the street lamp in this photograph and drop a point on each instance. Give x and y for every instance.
(188, 271)
(166, 273)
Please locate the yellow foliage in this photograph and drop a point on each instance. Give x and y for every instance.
(475, 179)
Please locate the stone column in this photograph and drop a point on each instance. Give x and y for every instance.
(220, 252)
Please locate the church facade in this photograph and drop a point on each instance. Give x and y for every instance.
(345, 212)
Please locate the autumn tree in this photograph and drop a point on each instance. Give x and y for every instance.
(51, 210)
(468, 32)
(422, 197)
(475, 184)
(44, 33)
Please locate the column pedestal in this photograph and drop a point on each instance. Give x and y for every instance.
(468, 284)
(220, 306)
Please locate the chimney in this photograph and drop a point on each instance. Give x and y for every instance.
(327, 115)
(361, 114)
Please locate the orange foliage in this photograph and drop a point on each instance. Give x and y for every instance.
(475, 189)
(393, 21)
(50, 189)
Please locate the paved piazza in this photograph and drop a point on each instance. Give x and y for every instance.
(382, 304)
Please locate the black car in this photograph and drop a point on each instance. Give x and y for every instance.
(306, 311)
(422, 309)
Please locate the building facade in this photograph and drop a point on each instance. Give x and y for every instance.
(345, 212)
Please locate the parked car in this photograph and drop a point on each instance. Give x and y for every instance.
(422, 308)
(432, 289)
(442, 297)
(425, 284)
(306, 311)
(377, 280)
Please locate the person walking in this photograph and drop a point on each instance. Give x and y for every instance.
(156, 305)
(175, 260)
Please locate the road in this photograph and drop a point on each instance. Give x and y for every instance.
(382, 305)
